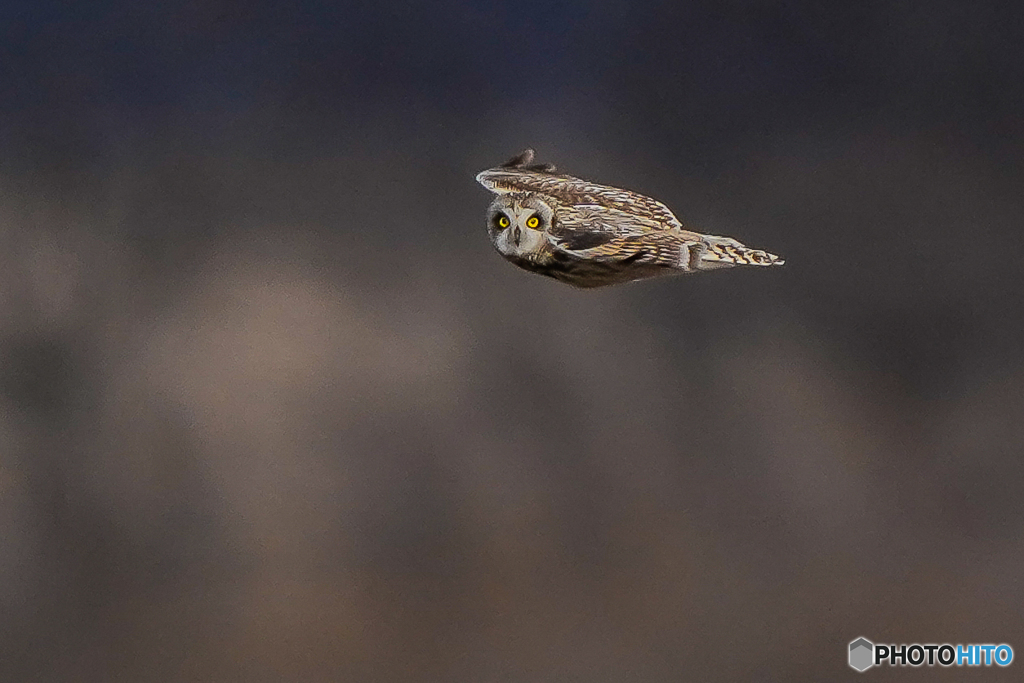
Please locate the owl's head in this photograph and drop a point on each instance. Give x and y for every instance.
(517, 223)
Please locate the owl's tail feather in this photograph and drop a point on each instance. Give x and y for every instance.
(724, 252)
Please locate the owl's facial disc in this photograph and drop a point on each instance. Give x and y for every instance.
(518, 225)
(517, 230)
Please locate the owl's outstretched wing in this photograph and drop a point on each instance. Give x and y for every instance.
(588, 222)
(572, 191)
(655, 249)
(524, 160)
(689, 252)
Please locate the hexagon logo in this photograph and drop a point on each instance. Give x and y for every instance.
(862, 654)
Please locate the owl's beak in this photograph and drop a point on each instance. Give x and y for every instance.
(517, 235)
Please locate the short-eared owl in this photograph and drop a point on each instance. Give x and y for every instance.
(591, 235)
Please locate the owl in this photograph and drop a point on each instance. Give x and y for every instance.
(591, 235)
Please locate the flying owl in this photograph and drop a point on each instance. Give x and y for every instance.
(591, 235)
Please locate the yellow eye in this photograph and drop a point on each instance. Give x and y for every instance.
(532, 222)
(502, 221)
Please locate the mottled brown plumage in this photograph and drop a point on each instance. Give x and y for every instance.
(591, 235)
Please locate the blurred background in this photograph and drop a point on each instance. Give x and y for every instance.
(272, 408)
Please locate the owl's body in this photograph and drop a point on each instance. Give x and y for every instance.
(591, 235)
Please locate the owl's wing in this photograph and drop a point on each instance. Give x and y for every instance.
(524, 160)
(571, 191)
(578, 226)
(661, 249)
(679, 250)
